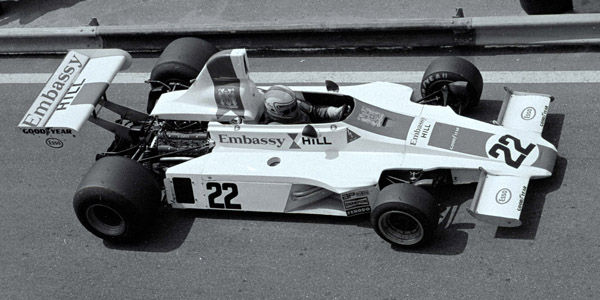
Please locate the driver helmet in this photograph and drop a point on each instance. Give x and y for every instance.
(280, 103)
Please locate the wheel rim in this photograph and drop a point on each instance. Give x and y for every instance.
(106, 220)
(437, 86)
(401, 228)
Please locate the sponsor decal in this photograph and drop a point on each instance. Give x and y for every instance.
(307, 141)
(315, 141)
(54, 143)
(528, 113)
(454, 138)
(371, 116)
(46, 131)
(246, 140)
(354, 194)
(522, 197)
(351, 136)
(356, 202)
(226, 97)
(421, 131)
(54, 90)
(357, 206)
(428, 80)
(544, 115)
(71, 93)
(503, 196)
(229, 100)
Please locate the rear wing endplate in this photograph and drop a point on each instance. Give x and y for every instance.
(69, 97)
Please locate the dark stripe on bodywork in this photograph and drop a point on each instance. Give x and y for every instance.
(546, 159)
(380, 121)
(89, 93)
(227, 85)
(459, 139)
(221, 68)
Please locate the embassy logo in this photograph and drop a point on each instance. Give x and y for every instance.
(245, 140)
(54, 91)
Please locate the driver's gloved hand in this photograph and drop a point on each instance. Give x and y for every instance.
(331, 113)
(322, 114)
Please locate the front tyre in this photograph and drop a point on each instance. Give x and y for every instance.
(405, 215)
(117, 199)
(446, 70)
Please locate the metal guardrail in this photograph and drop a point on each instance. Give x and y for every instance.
(568, 29)
(571, 29)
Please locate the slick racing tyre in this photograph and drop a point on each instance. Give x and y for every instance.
(117, 199)
(180, 62)
(405, 215)
(540, 7)
(445, 70)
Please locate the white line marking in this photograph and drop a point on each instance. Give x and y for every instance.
(352, 77)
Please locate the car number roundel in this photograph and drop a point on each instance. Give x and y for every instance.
(511, 150)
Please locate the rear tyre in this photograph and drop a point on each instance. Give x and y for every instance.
(540, 7)
(445, 70)
(117, 199)
(405, 215)
(180, 62)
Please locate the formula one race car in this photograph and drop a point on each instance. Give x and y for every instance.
(204, 144)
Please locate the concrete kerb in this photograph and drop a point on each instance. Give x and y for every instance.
(572, 29)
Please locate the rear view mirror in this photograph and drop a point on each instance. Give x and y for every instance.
(332, 86)
(310, 132)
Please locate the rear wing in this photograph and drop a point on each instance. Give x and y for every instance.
(524, 111)
(71, 94)
(499, 199)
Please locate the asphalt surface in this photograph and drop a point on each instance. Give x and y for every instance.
(46, 254)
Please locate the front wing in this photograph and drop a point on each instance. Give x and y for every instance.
(499, 199)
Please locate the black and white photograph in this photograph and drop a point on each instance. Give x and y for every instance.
(324, 149)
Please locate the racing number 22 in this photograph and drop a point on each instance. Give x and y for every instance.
(501, 146)
(217, 190)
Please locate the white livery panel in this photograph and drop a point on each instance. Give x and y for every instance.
(524, 111)
(499, 199)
